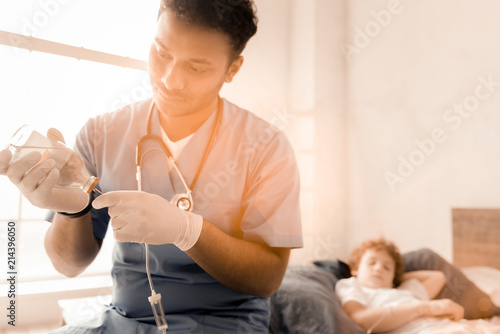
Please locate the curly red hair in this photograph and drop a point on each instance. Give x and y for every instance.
(380, 244)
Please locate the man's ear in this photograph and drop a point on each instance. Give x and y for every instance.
(234, 68)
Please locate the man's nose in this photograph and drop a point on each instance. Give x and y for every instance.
(173, 78)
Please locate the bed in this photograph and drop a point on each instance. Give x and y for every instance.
(306, 301)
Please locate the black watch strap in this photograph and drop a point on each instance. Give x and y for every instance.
(81, 213)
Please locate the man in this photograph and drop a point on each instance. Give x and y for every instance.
(216, 266)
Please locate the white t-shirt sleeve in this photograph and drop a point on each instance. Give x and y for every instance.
(416, 288)
(348, 289)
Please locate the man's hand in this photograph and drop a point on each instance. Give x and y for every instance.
(147, 218)
(35, 178)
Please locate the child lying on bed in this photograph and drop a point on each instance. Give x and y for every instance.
(380, 297)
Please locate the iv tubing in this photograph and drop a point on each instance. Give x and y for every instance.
(148, 271)
(161, 322)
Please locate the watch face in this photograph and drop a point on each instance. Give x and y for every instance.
(183, 202)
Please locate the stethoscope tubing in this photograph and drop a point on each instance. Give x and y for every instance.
(149, 136)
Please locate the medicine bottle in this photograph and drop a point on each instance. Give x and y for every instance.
(72, 171)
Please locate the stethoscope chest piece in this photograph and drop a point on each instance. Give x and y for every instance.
(183, 202)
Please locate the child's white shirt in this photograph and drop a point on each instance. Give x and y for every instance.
(350, 289)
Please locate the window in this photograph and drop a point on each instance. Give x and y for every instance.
(64, 61)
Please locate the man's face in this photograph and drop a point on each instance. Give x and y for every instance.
(188, 66)
(376, 269)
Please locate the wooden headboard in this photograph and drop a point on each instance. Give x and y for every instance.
(476, 237)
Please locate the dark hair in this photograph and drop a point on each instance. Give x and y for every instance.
(235, 18)
(380, 244)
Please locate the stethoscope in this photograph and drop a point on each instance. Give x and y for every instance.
(183, 201)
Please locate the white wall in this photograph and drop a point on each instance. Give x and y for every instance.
(428, 58)
(294, 77)
(261, 84)
(319, 93)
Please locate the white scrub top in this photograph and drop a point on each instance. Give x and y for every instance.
(249, 187)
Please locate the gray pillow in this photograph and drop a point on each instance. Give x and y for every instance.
(337, 267)
(306, 303)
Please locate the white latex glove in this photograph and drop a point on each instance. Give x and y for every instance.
(36, 180)
(148, 218)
